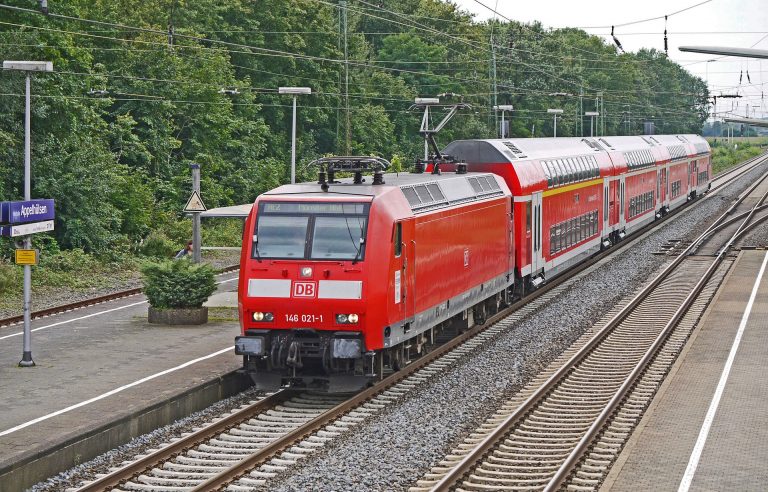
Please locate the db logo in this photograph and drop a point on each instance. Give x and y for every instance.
(304, 289)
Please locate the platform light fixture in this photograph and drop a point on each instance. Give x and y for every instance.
(554, 112)
(592, 115)
(503, 108)
(295, 92)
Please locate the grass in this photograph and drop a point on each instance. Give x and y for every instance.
(750, 140)
(725, 156)
(222, 314)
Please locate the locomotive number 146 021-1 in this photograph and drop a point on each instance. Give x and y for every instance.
(304, 318)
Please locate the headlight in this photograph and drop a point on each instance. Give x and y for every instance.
(306, 272)
(259, 316)
(344, 319)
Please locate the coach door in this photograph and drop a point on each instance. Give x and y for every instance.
(402, 302)
(608, 206)
(537, 262)
(622, 214)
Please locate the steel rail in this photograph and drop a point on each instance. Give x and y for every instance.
(726, 224)
(722, 222)
(117, 477)
(475, 456)
(576, 455)
(89, 302)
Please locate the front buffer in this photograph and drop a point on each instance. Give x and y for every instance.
(332, 361)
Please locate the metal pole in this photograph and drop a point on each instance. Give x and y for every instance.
(591, 126)
(293, 144)
(426, 127)
(196, 239)
(555, 132)
(502, 124)
(26, 357)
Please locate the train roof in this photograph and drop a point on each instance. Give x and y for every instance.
(542, 163)
(422, 191)
(517, 149)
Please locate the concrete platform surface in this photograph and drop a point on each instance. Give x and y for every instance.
(103, 375)
(669, 450)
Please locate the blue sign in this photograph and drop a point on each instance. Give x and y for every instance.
(26, 211)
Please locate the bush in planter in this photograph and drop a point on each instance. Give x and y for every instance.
(177, 284)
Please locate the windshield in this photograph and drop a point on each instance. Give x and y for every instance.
(337, 237)
(318, 231)
(282, 237)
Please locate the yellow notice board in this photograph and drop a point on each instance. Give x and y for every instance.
(27, 256)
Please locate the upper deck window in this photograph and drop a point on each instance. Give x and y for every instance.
(317, 231)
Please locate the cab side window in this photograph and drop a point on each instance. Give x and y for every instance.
(398, 239)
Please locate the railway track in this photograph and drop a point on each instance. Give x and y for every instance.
(197, 456)
(566, 429)
(228, 463)
(88, 302)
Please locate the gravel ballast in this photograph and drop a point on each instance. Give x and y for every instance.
(394, 449)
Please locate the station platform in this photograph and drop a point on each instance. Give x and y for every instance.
(103, 376)
(706, 429)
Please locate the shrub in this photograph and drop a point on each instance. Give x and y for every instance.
(223, 232)
(157, 245)
(177, 284)
(73, 260)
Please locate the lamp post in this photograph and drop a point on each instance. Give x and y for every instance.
(592, 115)
(27, 67)
(600, 107)
(554, 113)
(503, 108)
(295, 91)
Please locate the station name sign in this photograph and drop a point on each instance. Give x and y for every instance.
(26, 229)
(26, 211)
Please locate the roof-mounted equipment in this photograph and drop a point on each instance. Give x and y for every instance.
(429, 134)
(357, 165)
(435, 161)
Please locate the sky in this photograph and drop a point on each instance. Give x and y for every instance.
(733, 23)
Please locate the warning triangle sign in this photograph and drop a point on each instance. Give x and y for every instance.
(195, 203)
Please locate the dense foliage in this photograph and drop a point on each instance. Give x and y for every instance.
(130, 106)
(177, 284)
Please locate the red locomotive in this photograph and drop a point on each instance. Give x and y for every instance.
(342, 281)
